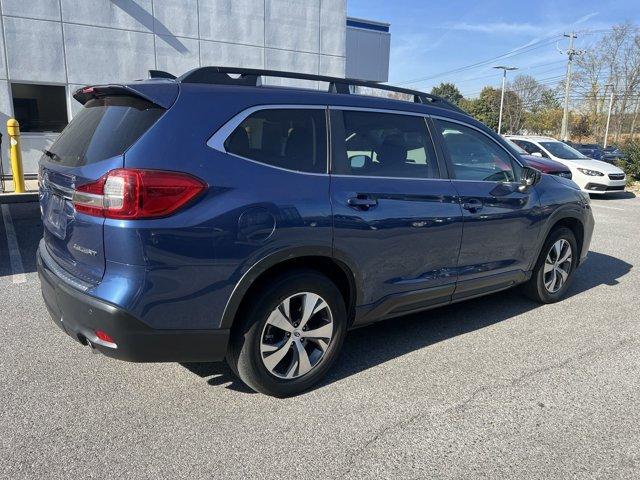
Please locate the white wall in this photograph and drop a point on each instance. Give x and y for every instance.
(79, 42)
(367, 53)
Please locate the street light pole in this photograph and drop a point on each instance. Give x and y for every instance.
(504, 79)
(606, 130)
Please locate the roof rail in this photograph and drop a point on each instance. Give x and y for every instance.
(251, 77)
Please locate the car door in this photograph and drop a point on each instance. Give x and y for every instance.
(395, 215)
(501, 223)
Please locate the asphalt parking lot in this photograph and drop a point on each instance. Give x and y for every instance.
(496, 387)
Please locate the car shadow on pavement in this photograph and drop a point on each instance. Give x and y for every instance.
(370, 346)
(375, 344)
(615, 196)
(218, 374)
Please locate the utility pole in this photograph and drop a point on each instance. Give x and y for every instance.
(564, 132)
(606, 130)
(504, 79)
(635, 118)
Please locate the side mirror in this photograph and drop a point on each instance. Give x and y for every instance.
(536, 154)
(529, 178)
(359, 161)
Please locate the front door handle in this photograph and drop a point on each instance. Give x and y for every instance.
(362, 202)
(473, 205)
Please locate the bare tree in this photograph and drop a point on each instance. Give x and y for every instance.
(630, 73)
(589, 79)
(526, 96)
(612, 60)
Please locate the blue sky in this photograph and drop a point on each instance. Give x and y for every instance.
(431, 37)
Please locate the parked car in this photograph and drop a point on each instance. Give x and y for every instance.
(544, 165)
(593, 176)
(591, 150)
(612, 154)
(208, 217)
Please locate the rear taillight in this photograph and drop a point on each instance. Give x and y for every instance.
(134, 194)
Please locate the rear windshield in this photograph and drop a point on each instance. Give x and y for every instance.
(104, 128)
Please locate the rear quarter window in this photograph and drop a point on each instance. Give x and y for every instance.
(295, 139)
(104, 128)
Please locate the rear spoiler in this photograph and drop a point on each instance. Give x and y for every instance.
(160, 93)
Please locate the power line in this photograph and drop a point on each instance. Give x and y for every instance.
(518, 51)
(496, 76)
(543, 82)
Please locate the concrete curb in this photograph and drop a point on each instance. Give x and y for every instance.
(18, 197)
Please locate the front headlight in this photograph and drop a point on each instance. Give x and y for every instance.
(591, 173)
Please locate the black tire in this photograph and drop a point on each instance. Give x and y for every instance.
(244, 356)
(535, 288)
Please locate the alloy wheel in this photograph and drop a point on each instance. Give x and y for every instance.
(296, 335)
(557, 265)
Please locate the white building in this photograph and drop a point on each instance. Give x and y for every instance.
(49, 48)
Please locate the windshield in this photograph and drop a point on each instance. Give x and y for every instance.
(517, 147)
(563, 151)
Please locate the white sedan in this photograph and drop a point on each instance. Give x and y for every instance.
(592, 176)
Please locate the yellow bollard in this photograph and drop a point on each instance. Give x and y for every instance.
(13, 129)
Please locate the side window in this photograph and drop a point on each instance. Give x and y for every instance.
(522, 144)
(382, 145)
(295, 139)
(531, 148)
(475, 156)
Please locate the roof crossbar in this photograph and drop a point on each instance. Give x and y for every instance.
(251, 77)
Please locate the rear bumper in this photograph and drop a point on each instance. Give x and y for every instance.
(79, 315)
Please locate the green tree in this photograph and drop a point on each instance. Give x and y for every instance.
(544, 122)
(581, 127)
(485, 108)
(549, 100)
(630, 163)
(448, 91)
(545, 116)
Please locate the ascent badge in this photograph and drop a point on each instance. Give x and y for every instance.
(85, 250)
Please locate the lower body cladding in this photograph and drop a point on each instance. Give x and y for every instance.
(611, 186)
(118, 334)
(406, 303)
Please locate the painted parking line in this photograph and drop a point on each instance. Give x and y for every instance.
(15, 258)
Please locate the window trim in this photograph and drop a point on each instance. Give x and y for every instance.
(216, 141)
(442, 170)
(468, 125)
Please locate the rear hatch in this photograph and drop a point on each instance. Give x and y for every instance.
(90, 146)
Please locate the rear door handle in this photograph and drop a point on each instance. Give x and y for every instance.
(473, 205)
(362, 202)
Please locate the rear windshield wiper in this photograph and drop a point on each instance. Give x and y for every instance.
(53, 156)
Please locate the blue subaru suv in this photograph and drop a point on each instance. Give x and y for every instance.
(211, 217)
